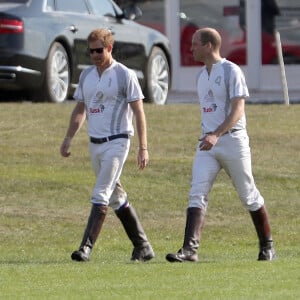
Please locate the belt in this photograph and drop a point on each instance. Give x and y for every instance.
(109, 138)
(231, 131)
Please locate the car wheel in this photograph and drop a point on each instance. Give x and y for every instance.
(158, 77)
(57, 74)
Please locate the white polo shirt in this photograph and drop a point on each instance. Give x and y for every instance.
(225, 82)
(107, 99)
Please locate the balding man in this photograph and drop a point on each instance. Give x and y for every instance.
(224, 143)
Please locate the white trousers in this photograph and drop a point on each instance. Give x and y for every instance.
(232, 152)
(108, 160)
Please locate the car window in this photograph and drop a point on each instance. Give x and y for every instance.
(77, 6)
(50, 5)
(14, 1)
(103, 7)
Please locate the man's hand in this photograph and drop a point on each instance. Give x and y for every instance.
(143, 158)
(208, 141)
(64, 148)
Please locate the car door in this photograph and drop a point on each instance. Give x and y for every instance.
(79, 21)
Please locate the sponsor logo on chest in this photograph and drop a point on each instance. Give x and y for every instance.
(209, 109)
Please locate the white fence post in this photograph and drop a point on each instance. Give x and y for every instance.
(282, 69)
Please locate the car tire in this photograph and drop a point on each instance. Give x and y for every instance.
(157, 77)
(57, 75)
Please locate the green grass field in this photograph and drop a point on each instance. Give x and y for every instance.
(45, 203)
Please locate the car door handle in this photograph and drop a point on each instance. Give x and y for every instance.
(73, 28)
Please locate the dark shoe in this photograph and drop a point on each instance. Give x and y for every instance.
(192, 234)
(83, 254)
(267, 252)
(93, 228)
(142, 250)
(261, 222)
(143, 253)
(182, 255)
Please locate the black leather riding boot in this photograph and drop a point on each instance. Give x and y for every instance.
(142, 249)
(261, 223)
(193, 229)
(95, 222)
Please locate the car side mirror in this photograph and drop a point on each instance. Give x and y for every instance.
(132, 12)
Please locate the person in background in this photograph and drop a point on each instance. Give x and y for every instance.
(108, 95)
(224, 143)
(269, 11)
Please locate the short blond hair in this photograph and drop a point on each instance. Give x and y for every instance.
(103, 35)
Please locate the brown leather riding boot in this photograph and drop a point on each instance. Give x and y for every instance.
(193, 229)
(142, 249)
(261, 223)
(94, 225)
